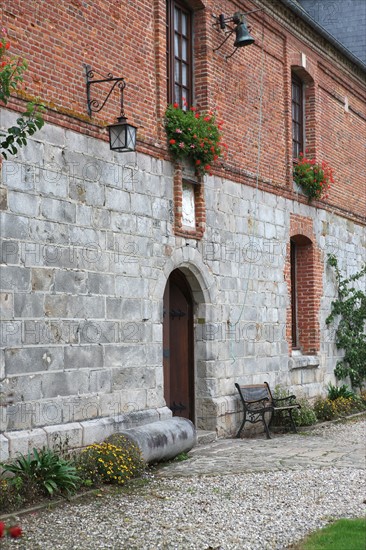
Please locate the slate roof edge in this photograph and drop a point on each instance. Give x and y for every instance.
(300, 11)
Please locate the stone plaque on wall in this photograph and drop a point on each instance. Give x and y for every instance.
(188, 205)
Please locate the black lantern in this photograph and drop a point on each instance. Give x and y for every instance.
(122, 136)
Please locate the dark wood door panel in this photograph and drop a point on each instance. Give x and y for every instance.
(178, 346)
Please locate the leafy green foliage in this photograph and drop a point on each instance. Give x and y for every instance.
(12, 494)
(181, 457)
(306, 415)
(350, 309)
(11, 75)
(313, 178)
(340, 391)
(194, 135)
(46, 470)
(16, 136)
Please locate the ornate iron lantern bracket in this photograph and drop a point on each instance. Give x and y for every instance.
(122, 136)
(95, 105)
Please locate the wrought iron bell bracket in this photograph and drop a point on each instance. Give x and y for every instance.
(222, 22)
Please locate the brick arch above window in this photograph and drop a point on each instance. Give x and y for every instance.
(194, 4)
(303, 274)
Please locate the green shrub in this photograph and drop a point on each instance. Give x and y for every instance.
(115, 461)
(363, 396)
(12, 495)
(349, 312)
(327, 409)
(45, 471)
(306, 415)
(323, 409)
(302, 417)
(342, 391)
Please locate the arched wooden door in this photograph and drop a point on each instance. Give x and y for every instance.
(178, 358)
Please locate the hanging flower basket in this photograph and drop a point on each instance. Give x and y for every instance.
(314, 179)
(194, 136)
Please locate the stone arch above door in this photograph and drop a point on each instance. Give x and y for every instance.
(201, 281)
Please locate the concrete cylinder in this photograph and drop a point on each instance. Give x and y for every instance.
(164, 439)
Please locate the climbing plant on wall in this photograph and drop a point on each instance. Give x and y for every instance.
(350, 310)
(12, 69)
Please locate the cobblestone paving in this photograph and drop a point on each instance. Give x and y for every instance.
(332, 445)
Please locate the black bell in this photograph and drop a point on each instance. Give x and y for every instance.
(243, 37)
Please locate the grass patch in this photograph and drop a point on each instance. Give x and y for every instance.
(344, 534)
(181, 457)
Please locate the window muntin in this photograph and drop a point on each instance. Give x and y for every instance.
(297, 116)
(179, 54)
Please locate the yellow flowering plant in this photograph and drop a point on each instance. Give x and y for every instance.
(110, 463)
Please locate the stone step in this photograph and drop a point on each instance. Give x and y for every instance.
(204, 437)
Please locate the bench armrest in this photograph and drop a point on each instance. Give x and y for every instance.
(256, 400)
(289, 397)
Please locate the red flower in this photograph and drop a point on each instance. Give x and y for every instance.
(172, 141)
(15, 531)
(175, 105)
(7, 45)
(193, 108)
(2, 529)
(197, 115)
(198, 162)
(207, 167)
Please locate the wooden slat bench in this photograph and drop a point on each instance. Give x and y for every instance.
(257, 400)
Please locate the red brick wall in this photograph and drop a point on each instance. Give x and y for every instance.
(128, 38)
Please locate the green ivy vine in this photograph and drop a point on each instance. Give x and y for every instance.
(350, 308)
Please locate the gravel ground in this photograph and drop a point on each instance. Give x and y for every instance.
(250, 511)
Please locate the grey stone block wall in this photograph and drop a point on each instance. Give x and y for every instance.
(87, 247)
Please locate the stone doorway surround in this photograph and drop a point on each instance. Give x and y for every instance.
(189, 261)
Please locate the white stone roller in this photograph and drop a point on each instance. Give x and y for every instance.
(164, 439)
